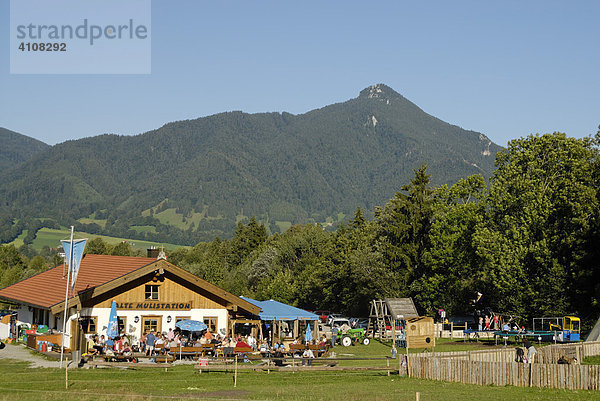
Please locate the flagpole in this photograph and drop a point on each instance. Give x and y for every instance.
(62, 348)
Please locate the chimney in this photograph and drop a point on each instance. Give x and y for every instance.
(153, 252)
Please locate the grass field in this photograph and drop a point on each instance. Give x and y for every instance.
(52, 237)
(182, 382)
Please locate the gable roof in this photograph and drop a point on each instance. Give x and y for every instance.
(158, 265)
(274, 310)
(99, 274)
(401, 307)
(48, 288)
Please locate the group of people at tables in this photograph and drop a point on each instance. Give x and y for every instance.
(152, 344)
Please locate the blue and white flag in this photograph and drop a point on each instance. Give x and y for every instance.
(74, 258)
(112, 330)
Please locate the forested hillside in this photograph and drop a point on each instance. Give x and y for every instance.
(193, 180)
(16, 148)
(528, 242)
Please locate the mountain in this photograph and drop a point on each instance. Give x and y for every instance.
(193, 179)
(17, 148)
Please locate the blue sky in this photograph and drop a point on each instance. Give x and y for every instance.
(505, 69)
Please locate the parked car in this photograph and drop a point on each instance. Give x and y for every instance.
(359, 323)
(323, 314)
(339, 322)
(334, 316)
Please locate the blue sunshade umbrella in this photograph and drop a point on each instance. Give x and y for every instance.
(191, 325)
(113, 322)
(308, 335)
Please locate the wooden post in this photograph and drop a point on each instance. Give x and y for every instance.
(235, 372)
(407, 363)
(66, 373)
(418, 396)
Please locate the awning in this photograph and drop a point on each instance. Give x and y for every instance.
(273, 310)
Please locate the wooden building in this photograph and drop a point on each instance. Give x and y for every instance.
(151, 294)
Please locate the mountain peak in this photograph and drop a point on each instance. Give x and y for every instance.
(378, 91)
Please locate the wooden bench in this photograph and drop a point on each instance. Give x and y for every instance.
(315, 348)
(128, 365)
(193, 352)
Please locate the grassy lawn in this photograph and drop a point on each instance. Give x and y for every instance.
(182, 382)
(591, 360)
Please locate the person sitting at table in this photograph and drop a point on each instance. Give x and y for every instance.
(216, 340)
(264, 349)
(158, 344)
(307, 355)
(127, 350)
(167, 344)
(109, 344)
(91, 345)
(142, 344)
(98, 346)
(203, 340)
(242, 344)
(119, 345)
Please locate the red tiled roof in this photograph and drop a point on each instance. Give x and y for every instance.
(48, 288)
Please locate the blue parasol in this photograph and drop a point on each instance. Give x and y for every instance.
(308, 335)
(191, 325)
(113, 322)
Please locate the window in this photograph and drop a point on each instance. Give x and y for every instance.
(122, 324)
(180, 318)
(88, 324)
(211, 322)
(153, 323)
(152, 291)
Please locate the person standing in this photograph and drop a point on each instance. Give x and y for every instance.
(150, 340)
(334, 334)
(531, 351)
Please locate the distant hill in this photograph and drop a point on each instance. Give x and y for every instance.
(192, 180)
(16, 148)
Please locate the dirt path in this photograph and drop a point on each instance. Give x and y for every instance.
(22, 353)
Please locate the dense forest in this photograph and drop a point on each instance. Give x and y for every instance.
(190, 181)
(528, 242)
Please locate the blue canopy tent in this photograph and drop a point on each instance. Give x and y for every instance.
(273, 311)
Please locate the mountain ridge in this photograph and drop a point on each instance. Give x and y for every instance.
(230, 165)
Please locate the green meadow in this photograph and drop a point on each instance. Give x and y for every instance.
(51, 237)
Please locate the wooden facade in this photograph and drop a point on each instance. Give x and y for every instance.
(153, 297)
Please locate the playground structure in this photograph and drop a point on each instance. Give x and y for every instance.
(561, 329)
(386, 314)
(420, 332)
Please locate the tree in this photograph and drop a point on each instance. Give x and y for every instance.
(402, 229)
(543, 207)
(97, 246)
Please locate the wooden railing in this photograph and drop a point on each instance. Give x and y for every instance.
(498, 367)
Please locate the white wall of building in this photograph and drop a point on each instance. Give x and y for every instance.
(135, 329)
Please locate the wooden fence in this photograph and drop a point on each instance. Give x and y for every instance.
(498, 367)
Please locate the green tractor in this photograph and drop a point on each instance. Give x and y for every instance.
(353, 337)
